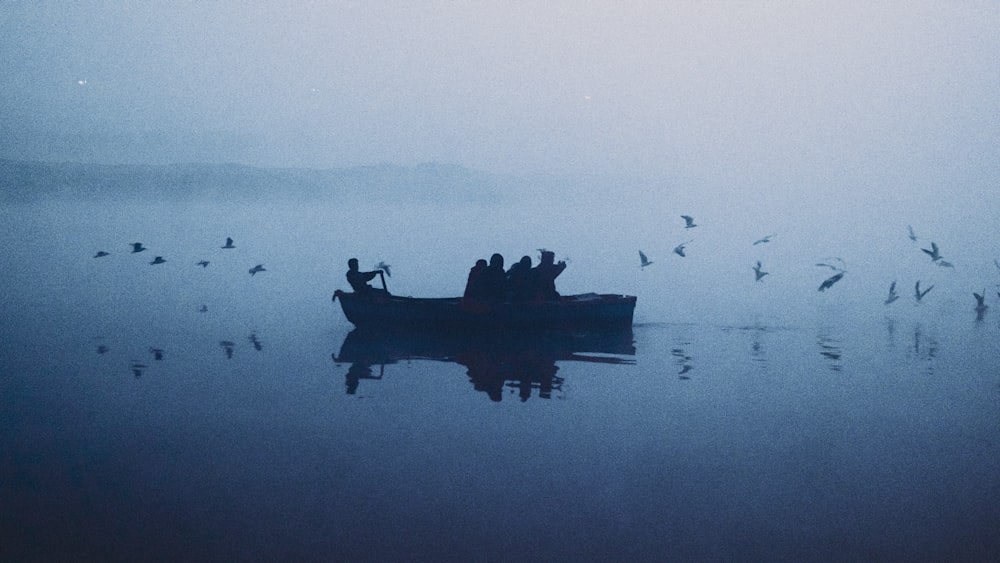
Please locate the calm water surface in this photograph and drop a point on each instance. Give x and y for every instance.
(134, 425)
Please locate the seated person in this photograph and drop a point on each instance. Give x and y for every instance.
(519, 281)
(546, 273)
(359, 280)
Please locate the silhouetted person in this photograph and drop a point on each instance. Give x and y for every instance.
(546, 273)
(475, 285)
(519, 280)
(358, 279)
(494, 280)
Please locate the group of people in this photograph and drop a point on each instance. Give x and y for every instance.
(490, 283)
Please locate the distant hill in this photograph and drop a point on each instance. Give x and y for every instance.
(25, 181)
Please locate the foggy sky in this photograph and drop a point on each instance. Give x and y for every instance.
(793, 93)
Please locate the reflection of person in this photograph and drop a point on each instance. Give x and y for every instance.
(546, 273)
(357, 372)
(358, 279)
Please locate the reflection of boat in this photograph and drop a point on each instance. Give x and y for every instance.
(590, 310)
(524, 360)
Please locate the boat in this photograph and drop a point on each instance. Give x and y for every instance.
(379, 309)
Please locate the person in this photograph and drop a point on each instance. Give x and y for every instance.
(358, 279)
(519, 284)
(494, 280)
(546, 273)
(474, 285)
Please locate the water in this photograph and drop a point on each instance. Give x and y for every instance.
(785, 425)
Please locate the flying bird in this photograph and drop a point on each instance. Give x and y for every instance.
(257, 268)
(101, 253)
(384, 267)
(841, 268)
(996, 263)
(892, 293)
(828, 282)
(981, 301)
(229, 243)
(158, 260)
(137, 247)
(679, 249)
(934, 253)
(643, 260)
(688, 221)
(920, 294)
(912, 235)
(758, 274)
(945, 264)
(763, 240)
(203, 263)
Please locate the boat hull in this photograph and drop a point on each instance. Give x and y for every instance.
(587, 311)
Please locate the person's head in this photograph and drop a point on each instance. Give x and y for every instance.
(526, 261)
(496, 260)
(480, 264)
(548, 257)
(352, 264)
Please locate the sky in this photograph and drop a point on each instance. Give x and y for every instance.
(791, 92)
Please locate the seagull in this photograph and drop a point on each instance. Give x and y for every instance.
(892, 293)
(137, 247)
(384, 267)
(158, 260)
(934, 253)
(920, 294)
(912, 235)
(229, 243)
(257, 268)
(644, 261)
(758, 274)
(688, 221)
(980, 301)
(945, 264)
(203, 263)
(832, 267)
(679, 249)
(101, 253)
(762, 240)
(828, 282)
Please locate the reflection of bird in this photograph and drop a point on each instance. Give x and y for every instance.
(384, 267)
(892, 293)
(255, 342)
(828, 282)
(157, 353)
(257, 268)
(762, 240)
(137, 368)
(912, 235)
(203, 263)
(203, 309)
(920, 294)
(158, 260)
(101, 253)
(643, 260)
(934, 253)
(688, 221)
(229, 243)
(679, 249)
(137, 247)
(758, 273)
(228, 347)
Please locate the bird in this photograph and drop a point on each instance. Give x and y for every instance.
(688, 221)
(945, 264)
(137, 247)
(763, 240)
(643, 260)
(912, 235)
(679, 249)
(892, 293)
(384, 267)
(229, 243)
(203, 263)
(833, 267)
(920, 294)
(828, 282)
(981, 301)
(996, 263)
(158, 260)
(257, 268)
(934, 252)
(758, 273)
(101, 253)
